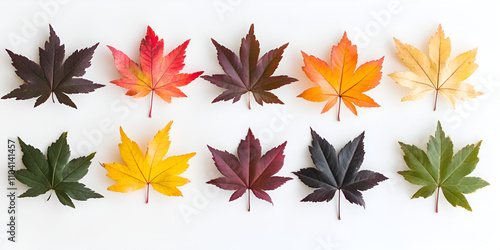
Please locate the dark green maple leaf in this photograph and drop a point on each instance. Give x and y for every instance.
(52, 76)
(248, 73)
(338, 172)
(55, 172)
(440, 169)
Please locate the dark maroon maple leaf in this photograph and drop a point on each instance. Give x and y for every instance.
(250, 171)
(340, 172)
(52, 76)
(248, 73)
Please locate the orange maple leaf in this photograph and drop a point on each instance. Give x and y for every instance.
(156, 74)
(342, 81)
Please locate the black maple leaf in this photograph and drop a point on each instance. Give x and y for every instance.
(52, 76)
(340, 172)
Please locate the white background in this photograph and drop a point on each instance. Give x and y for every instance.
(203, 218)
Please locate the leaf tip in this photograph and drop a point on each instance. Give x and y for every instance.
(251, 30)
(94, 47)
(397, 41)
(122, 133)
(249, 132)
(150, 31)
(315, 136)
(283, 145)
(478, 144)
(190, 155)
(439, 129)
(91, 156)
(383, 178)
(362, 135)
(197, 74)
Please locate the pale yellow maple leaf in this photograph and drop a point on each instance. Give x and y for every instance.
(437, 72)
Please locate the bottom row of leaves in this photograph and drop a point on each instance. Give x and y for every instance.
(438, 169)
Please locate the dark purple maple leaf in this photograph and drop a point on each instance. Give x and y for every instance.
(250, 171)
(248, 73)
(340, 172)
(53, 76)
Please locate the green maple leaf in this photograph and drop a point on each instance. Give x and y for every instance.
(55, 173)
(440, 169)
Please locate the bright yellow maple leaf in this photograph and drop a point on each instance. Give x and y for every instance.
(437, 72)
(140, 171)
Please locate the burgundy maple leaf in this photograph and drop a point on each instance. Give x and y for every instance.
(250, 170)
(248, 73)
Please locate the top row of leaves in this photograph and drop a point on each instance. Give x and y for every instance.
(160, 74)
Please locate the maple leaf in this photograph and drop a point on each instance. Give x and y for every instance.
(55, 172)
(249, 73)
(53, 76)
(250, 171)
(157, 73)
(437, 72)
(342, 81)
(340, 172)
(440, 169)
(140, 171)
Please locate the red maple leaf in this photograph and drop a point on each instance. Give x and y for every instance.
(156, 73)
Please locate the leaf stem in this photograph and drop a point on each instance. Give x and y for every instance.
(147, 194)
(437, 200)
(52, 95)
(338, 211)
(436, 100)
(50, 195)
(151, 107)
(338, 113)
(249, 101)
(248, 200)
